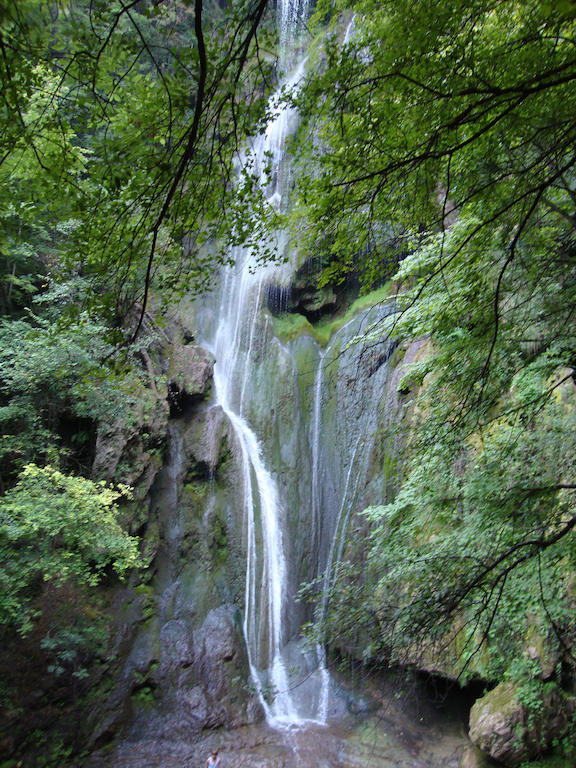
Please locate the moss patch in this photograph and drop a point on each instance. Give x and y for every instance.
(288, 327)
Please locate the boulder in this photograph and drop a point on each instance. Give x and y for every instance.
(207, 436)
(190, 369)
(176, 650)
(217, 641)
(194, 708)
(496, 725)
(503, 727)
(127, 449)
(541, 649)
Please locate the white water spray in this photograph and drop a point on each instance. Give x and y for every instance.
(234, 342)
(292, 16)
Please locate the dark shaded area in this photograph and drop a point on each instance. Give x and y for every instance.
(41, 682)
(448, 696)
(418, 694)
(78, 436)
(305, 297)
(199, 470)
(181, 403)
(278, 299)
(383, 358)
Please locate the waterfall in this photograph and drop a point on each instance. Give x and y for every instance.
(292, 15)
(234, 340)
(292, 681)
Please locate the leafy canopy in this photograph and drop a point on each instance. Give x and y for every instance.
(446, 147)
(124, 118)
(428, 110)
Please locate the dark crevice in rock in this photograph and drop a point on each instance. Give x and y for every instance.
(310, 300)
(447, 694)
(567, 679)
(383, 358)
(147, 686)
(180, 402)
(140, 532)
(104, 738)
(306, 298)
(188, 337)
(199, 470)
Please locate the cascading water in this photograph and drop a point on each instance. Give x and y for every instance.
(292, 16)
(234, 341)
(237, 333)
(342, 446)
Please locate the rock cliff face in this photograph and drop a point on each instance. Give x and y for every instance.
(181, 665)
(304, 297)
(322, 416)
(505, 726)
(169, 659)
(508, 724)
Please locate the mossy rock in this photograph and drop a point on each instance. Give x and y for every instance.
(190, 369)
(510, 731)
(289, 326)
(147, 601)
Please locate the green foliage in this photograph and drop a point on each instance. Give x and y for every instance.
(67, 648)
(289, 326)
(125, 120)
(57, 528)
(120, 125)
(478, 545)
(446, 144)
(426, 111)
(59, 376)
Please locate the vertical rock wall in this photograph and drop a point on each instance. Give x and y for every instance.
(181, 663)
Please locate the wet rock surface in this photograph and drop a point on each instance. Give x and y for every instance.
(128, 452)
(403, 730)
(206, 437)
(384, 740)
(339, 745)
(472, 757)
(189, 376)
(305, 297)
(181, 662)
